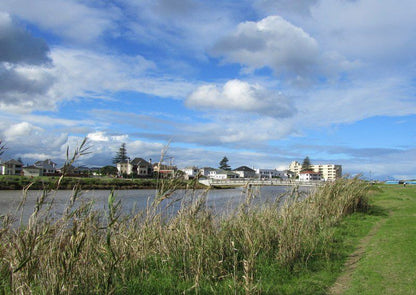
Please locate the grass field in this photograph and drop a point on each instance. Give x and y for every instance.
(389, 261)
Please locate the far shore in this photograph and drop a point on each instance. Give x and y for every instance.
(98, 183)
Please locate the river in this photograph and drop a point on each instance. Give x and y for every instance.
(132, 201)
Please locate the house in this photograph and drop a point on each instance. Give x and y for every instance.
(141, 167)
(164, 170)
(205, 171)
(190, 172)
(47, 166)
(138, 166)
(222, 174)
(310, 175)
(11, 167)
(32, 171)
(245, 172)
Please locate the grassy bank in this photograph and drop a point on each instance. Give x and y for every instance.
(10, 182)
(297, 247)
(388, 266)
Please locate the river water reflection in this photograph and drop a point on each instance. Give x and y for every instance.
(220, 200)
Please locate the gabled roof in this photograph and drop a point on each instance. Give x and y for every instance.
(227, 172)
(244, 168)
(46, 164)
(140, 161)
(14, 162)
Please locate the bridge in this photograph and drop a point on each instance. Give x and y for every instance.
(256, 182)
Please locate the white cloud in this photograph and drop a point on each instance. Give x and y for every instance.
(20, 131)
(70, 19)
(98, 136)
(272, 42)
(288, 50)
(236, 95)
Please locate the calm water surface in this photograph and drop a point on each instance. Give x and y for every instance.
(132, 201)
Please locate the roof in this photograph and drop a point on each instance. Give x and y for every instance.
(244, 168)
(140, 161)
(32, 167)
(14, 162)
(227, 172)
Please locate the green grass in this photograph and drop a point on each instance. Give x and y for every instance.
(389, 263)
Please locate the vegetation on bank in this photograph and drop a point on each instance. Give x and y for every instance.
(12, 182)
(275, 248)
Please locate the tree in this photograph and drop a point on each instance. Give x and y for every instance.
(121, 155)
(3, 147)
(306, 165)
(224, 164)
(108, 170)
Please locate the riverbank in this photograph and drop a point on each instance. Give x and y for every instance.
(87, 183)
(295, 248)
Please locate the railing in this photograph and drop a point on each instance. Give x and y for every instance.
(259, 182)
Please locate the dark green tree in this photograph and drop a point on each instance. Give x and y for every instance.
(108, 170)
(306, 165)
(224, 164)
(121, 155)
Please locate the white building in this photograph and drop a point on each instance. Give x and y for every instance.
(329, 172)
(270, 173)
(190, 172)
(310, 176)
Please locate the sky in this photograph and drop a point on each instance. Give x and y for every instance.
(262, 82)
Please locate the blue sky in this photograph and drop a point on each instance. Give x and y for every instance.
(263, 82)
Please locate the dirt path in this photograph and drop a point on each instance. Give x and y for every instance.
(343, 281)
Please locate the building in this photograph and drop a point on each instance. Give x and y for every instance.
(205, 171)
(141, 167)
(138, 166)
(47, 166)
(11, 167)
(164, 170)
(222, 174)
(32, 171)
(270, 173)
(245, 172)
(190, 172)
(310, 175)
(329, 172)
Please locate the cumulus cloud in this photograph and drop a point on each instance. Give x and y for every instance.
(238, 95)
(19, 46)
(272, 42)
(20, 130)
(288, 50)
(24, 68)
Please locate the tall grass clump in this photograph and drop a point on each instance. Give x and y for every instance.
(192, 250)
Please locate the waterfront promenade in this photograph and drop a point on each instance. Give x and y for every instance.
(256, 182)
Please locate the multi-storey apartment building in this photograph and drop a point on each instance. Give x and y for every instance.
(329, 172)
